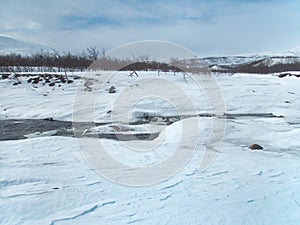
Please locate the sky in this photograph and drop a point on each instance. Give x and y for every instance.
(207, 27)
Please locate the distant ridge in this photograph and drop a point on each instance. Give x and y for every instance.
(10, 45)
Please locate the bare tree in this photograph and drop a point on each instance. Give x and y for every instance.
(92, 53)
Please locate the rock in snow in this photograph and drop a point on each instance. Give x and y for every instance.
(112, 90)
(255, 147)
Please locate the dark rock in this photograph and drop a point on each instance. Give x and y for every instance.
(49, 119)
(284, 75)
(112, 90)
(5, 76)
(288, 74)
(48, 163)
(52, 84)
(255, 147)
(35, 80)
(17, 83)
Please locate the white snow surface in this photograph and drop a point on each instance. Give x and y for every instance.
(45, 180)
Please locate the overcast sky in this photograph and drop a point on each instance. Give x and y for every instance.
(207, 27)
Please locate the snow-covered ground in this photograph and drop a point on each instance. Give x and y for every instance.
(46, 180)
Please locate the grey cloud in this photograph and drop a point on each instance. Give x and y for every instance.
(206, 27)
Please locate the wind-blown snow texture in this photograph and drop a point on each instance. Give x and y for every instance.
(46, 181)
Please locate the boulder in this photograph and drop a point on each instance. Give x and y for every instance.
(112, 90)
(255, 147)
(17, 83)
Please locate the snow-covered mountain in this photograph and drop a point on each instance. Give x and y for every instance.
(293, 52)
(272, 58)
(11, 45)
(272, 61)
(250, 63)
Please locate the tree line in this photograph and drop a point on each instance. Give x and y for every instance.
(91, 58)
(45, 61)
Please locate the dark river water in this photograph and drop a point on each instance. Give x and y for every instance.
(13, 129)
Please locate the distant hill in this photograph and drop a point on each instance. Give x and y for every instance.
(252, 63)
(10, 45)
(256, 63)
